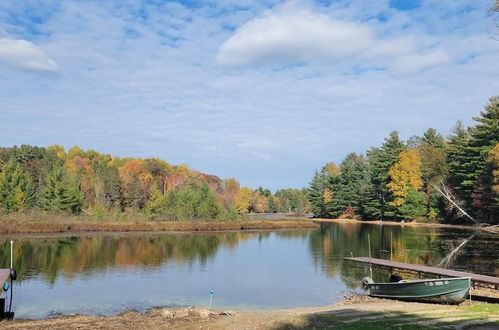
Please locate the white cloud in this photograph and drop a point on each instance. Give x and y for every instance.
(25, 55)
(293, 34)
(162, 94)
(417, 62)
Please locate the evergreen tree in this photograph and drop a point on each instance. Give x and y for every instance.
(471, 176)
(16, 190)
(433, 158)
(380, 162)
(434, 169)
(60, 193)
(350, 185)
(414, 206)
(108, 191)
(320, 190)
(316, 190)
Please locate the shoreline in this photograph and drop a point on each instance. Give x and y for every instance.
(490, 229)
(352, 312)
(17, 227)
(12, 224)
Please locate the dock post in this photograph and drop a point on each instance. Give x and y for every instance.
(370, 266)
(391, 245)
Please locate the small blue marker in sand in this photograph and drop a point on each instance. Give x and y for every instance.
(211, 296)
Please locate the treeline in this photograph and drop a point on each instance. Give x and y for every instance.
(399, 180)
(263, 201)
(73, 181)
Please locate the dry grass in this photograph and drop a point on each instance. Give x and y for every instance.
(42, 222)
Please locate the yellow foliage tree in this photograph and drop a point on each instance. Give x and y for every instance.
(327, 196)
(405, 175)
(244, 200)
(58, 150)
(260, 204)
(332, 169)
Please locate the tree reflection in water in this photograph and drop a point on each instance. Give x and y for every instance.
(52, 257)
(410, 244)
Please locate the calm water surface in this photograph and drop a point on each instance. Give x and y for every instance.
(109, 273)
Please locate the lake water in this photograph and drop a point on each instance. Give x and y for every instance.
(110, 273)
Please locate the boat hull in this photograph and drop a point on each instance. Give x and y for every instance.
(443, 290)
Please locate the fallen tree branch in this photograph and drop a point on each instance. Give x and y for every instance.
(447, 194)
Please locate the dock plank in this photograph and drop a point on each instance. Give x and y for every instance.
(4, 275)
(475, 278)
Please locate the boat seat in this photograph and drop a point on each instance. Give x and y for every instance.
(394, 278)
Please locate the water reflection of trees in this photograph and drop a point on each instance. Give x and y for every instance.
(416, 245)
(70, 256)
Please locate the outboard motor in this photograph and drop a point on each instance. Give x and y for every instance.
(365, 282)
(13, 274)
(9, 286)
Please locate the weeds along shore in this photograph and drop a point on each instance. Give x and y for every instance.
(43, 222)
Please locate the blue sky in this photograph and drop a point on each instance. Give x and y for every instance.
(264, 91)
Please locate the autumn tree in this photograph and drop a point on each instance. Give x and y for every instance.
(132, 177)
(405, 177)
(244, 200)
(81, 170)
(159, 170)
(230, 191)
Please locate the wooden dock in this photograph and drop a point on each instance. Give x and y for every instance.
(4, 275)
(477, 280)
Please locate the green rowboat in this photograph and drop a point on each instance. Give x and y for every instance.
(442, 290)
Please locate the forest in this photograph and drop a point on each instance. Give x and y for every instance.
(54, 180)
(400, 180)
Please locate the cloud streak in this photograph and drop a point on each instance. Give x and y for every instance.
(22, 54)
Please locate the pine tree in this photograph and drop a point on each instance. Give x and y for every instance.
(414, 205)
(471, 176)
(60, 193)
(380, 161)
(350, 185)
(16, 190)
(316, 194)
(320, 192)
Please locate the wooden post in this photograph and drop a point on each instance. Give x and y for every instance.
(391, 246)
(369, 245)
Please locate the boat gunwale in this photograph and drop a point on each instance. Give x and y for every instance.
(419, 296)
(421, 281)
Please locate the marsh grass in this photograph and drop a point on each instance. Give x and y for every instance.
(38, 221)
